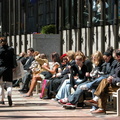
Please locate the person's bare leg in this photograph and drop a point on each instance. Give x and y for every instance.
(33, 84)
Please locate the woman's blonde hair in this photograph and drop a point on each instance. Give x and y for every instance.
(99, 57)
(71, 54)
(80, 53)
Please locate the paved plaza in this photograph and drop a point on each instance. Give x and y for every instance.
(34, 108)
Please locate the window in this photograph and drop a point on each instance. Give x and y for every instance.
(108, 9)
(119, 9)
(31, 11)
(74, 14)
(40, 9)
(102, 12)
(66, 14)
(84, 12)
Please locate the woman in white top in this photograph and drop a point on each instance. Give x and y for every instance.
(50, 71)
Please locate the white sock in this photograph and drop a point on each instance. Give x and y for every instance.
(96, 98)
(101, 109)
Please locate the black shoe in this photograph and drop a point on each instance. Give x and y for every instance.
(2, 102)
(81, 104)
(20, 90)
(53, 93)
(23, 90)
(15, 85)
(5, 88)
(46, 97)
(9, 101)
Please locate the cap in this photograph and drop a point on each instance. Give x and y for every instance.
(61, 57)
(107, 53)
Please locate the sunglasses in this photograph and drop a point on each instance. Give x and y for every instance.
(117, 55)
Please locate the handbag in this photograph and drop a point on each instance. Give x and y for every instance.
(2, 70)
(19, 71)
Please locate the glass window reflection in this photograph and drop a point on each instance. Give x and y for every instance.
(100, 8)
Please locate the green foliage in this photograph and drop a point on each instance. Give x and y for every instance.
(48, 29)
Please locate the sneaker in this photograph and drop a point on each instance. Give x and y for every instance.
(91, 102)
(63, 101)
(84, 87)
(9, 101)
(54, 99)
(93, 109)
(69, 106)
(2, 102)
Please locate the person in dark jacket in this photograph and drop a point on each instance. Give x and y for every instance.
(60, 77)
(105, 88)
(28, 73)
(109, 69)
(77, 75)
(110, 64)
(8, 63)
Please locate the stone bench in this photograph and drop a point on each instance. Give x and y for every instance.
(116, 101)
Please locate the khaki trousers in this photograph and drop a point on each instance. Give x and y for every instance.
(103, 91)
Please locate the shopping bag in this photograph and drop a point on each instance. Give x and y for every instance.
(19, 71)
(44, 88)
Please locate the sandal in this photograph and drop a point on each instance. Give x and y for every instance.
(27, 95)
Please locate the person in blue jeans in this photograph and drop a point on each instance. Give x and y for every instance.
(109, 67)
(111, 64)
(79, 75)
(105, 88)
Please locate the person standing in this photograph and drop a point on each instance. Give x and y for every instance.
(7, 65)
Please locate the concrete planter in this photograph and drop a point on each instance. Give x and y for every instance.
(46, 43)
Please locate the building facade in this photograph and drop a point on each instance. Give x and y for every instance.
(89, 25)
(86, 25)
(23, 17)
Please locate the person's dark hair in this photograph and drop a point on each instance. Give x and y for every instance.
(31, 49)
(110, 49)
(55, 56)
(43, 56)
(3, 39)
(117, 52)
(107, 53)
(36, 53)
